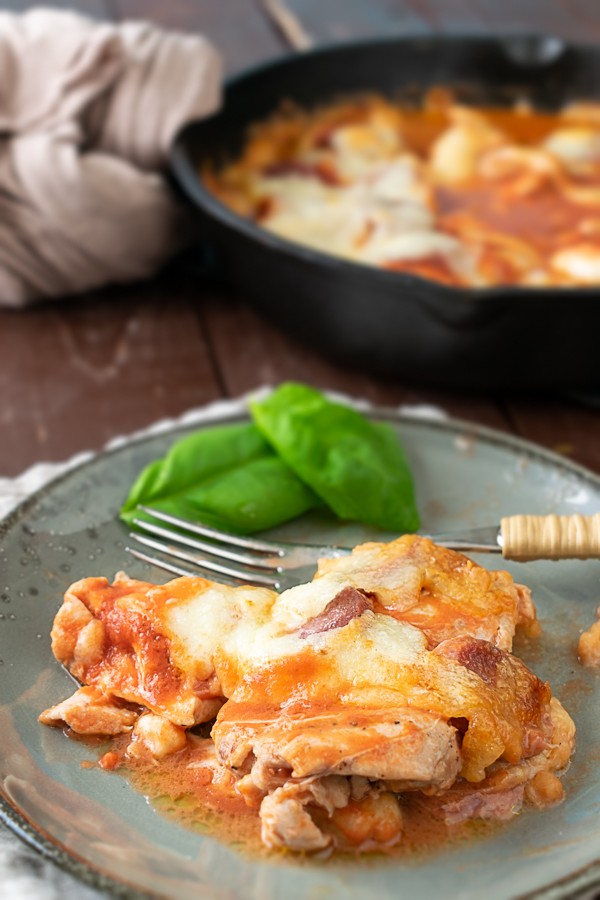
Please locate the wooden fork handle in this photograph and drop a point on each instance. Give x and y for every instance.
(550, 537)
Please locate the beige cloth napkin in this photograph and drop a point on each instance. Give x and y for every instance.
(87, 113)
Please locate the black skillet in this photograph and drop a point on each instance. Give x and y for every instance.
(387, 322)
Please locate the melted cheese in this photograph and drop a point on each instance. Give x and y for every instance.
(372, 670)
(472, 197)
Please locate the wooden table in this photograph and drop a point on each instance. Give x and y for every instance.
(79, 371)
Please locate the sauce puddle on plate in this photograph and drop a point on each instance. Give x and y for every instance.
(187, 787)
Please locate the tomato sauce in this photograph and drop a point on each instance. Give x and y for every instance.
(184, 788)
(514, 206)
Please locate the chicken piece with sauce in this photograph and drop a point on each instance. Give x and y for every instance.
(389, 676)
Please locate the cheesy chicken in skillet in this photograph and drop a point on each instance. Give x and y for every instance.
(466, 196)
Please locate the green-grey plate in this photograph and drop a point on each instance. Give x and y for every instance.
(97, 826)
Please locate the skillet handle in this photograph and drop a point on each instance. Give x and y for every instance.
(550, 537)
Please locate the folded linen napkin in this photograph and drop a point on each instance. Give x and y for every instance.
(87, 113)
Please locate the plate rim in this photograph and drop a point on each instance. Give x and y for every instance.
(569, 886)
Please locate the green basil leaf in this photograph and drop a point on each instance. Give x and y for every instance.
(143, 489)
(356, 466)
(255, 496)
(194, 458)
(227, 476)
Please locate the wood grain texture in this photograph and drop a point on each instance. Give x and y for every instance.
(584, 16)
(342, 20)
(565, 426)
(450, 16)
(509, 16)
(239, 28)
(77, 373)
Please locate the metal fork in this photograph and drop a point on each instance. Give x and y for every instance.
(283, 565)
(246, 559)
(255, 561)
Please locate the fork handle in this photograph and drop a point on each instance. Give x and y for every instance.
(550, 537)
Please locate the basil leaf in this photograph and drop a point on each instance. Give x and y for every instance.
(143, 489)
(228, 477)
(196, 457)
(356, 466)
(255, 496)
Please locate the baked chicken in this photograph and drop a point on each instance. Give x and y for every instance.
(389, 676)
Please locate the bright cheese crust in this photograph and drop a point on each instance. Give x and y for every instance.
(390, 673)
(466, 196)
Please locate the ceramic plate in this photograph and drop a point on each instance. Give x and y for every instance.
(97, 826)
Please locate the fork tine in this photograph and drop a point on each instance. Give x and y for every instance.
(144, 557)
(212, 549)
(169, 567)
(214, 533)
(207, 565)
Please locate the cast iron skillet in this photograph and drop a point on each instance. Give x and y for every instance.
(388, 322)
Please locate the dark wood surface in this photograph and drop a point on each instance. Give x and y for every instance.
(79, 371)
